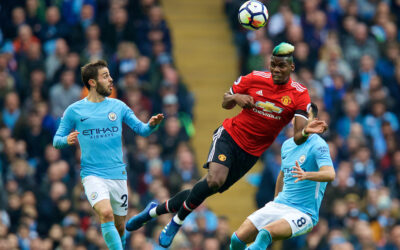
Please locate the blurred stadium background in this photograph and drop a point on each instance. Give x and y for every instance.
(179, 57)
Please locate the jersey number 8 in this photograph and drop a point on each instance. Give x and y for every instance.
(300, 222)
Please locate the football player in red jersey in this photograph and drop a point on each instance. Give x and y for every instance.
(269, 101)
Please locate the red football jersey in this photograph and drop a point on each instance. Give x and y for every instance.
(255, 129)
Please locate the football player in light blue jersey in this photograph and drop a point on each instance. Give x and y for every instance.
(299, 190)
(96, 123)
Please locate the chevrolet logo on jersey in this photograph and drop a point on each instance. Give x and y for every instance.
(269, 107)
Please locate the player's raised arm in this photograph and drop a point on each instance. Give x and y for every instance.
(143, 129)
(303, 127)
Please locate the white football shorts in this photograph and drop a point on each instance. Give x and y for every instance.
(300, 222)
(97, 189)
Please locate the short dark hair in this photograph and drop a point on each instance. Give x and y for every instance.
(91, 70)
(314, 109)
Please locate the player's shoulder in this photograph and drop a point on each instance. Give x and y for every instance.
(298, 87)
(263, 76)
(317, 139)
(288, 143)
(318, 143)
(73, 108)
(77, 104)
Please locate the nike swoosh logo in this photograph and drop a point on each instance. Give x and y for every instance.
(84, 119)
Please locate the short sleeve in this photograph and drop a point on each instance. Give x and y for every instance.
(322, 155)
(241, 85)
(303, 104)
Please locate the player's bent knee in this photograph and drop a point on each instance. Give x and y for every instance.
(216, 180)
(247, 232)
(107, 214)
(215, 183)
(280, 231)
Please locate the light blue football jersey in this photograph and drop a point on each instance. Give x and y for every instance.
(306, 195)
(100, 131)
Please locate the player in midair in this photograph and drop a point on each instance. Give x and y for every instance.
(96, 122)
(299, 191)
(269, 101)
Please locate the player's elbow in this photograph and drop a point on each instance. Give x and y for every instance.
(226, 106)
(146, 133)
(332, 175)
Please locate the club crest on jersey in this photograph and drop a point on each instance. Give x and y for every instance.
(302, 159)
(93, 195)
(112, 116)
(269, 107)
(285, 100)
(222, 157)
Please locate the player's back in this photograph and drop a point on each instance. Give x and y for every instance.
(304, 195)
(255, 129)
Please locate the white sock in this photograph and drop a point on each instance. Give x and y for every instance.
(177, 220)
(153, 212)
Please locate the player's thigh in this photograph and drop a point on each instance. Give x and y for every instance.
(279, 229)
(242, 164)
(227, 162)
(300, 223)
(266, 215)
(221, 149)
(96, 190)
(217, 173)
(118, 196)
(247, 232)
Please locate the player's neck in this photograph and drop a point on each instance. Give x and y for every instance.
(93, 96)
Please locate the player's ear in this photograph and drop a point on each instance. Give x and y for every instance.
(292, 67)
(92, 82)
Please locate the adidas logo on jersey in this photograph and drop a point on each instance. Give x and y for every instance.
(259, 93)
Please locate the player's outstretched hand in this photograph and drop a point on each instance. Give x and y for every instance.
(156, 119)
(72, 138)
(316, 126)
(244, 101)
(300, 174)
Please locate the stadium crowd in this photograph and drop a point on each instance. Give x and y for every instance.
(347, 54)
